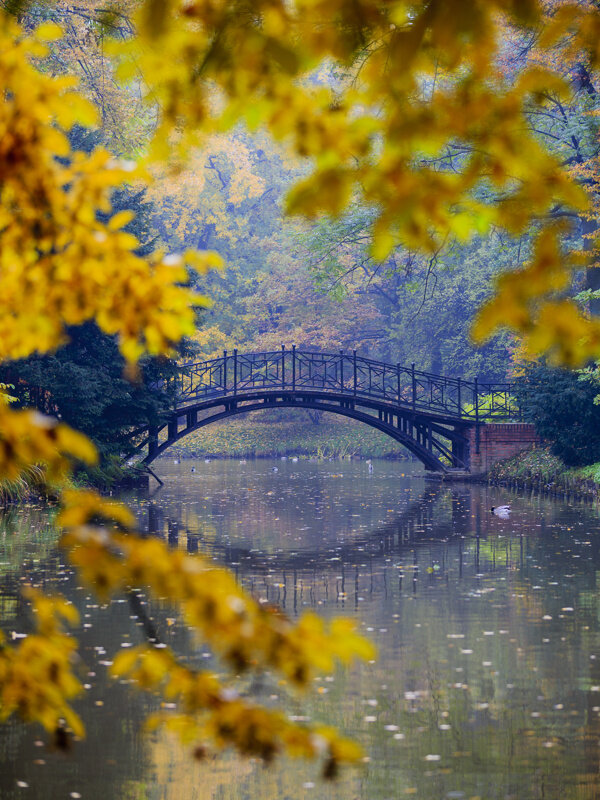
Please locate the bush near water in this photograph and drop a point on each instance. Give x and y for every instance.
(540, 470)
(563, 405)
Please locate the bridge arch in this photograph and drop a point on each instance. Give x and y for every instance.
(438, 444)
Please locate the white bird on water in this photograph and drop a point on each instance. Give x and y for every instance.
(501, 511)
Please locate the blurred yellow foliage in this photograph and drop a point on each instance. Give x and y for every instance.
(36, 678)
(408, 90)
(245, 634)
(28, 437)
(59, 264)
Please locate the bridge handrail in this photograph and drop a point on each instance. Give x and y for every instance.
(236, 373)
(376, 363)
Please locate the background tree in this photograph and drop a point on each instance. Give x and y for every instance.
(83, 384)
(441, 146)
(561, 405)
(126, 121)
(425, 304)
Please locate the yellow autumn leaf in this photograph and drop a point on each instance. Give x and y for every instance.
(48, 32)
(120, 220)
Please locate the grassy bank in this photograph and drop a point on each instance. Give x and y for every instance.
(257, 436)
(541, 471)
(31, 485)
(27, 485)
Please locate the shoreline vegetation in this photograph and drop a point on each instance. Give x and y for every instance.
(539, 471)
(256, 438)
(30, 486)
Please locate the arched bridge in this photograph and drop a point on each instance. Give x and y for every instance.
(430, 415)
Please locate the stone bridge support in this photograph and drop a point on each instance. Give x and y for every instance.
(494, 442)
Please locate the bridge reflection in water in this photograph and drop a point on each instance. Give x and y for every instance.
(429, 414)
(439, 533)
(487, 660)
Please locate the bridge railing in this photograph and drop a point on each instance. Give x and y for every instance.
(291, 369)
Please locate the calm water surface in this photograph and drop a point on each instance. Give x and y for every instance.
(487, 682)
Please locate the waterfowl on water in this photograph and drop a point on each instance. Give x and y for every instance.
(501, 511)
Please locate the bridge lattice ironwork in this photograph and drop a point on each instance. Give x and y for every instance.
(290, 369)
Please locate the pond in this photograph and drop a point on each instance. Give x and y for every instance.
(487, 679)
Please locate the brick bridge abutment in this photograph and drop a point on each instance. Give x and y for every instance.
(498, 441)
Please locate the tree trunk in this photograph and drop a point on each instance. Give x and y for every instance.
(592, 274)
